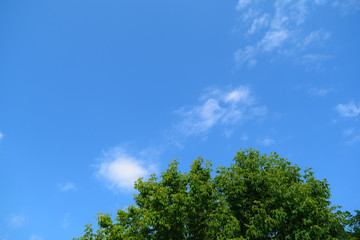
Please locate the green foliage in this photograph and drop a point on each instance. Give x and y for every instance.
(257, 197)
(353, 222)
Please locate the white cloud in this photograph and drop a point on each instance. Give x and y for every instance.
(243, 3)
(348, 110)
(349, 131)
(66, 221)
(282, 34)
(321, 92)
(36, 237)
(228, 132)
(1, 135)
(259, 23)
(314, 61)
(69, 186)
(241, 94)
(218, 108)
(347, 6)
(274, 39)
(352, 135)
(247, 55)
(354, 139)
(200, 118)
(119, 170)
(244, 137)
(267, 141)
(16, 220)
(315, 38)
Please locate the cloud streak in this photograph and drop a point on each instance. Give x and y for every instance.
(16, 220)
(276, 28)
(69, 186)
(217, 107)
(317, 91)
(66, 221)
(267, 142)
(350, 112)
(347, 6)
(36, 237)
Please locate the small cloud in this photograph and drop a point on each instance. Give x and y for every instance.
(348, 110)
(314, 61)
(1, 135)
(247, 55)
(219, 108)
(16, 220)
(351, 135)
(119, 170)
(66, 221)
(274, 39)
(354, 139)
(242, 4)
(321, 92)
(241, 94)
(259, 23)
(267, 141)
(347, 6)
(67, 187)
(314, 38)
(310, 58)
(244, 137)
(36, 237)
(349, 131)
(228, 132)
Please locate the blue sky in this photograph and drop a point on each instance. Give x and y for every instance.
(94, 94)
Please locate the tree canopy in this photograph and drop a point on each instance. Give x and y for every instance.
(258, 197)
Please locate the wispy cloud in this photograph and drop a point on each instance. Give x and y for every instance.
(313, 61)
(267, 141)
(244, 137)
(279, 27)
(69, 186)
(1, 135)
(347, 6)
(273, 39)
(348, 110)
(259, 23)
(318, 91)
(16, 220)
(119, 170)
(246, 55)
(36, 237)
(314, 38)
(66, 221)
(218, 108)
(349, 131)
(242, 4)
(352, 135)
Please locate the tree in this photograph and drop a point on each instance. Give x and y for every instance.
(353, 226)
(257, 197)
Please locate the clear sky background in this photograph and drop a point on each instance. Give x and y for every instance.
(94, 94)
